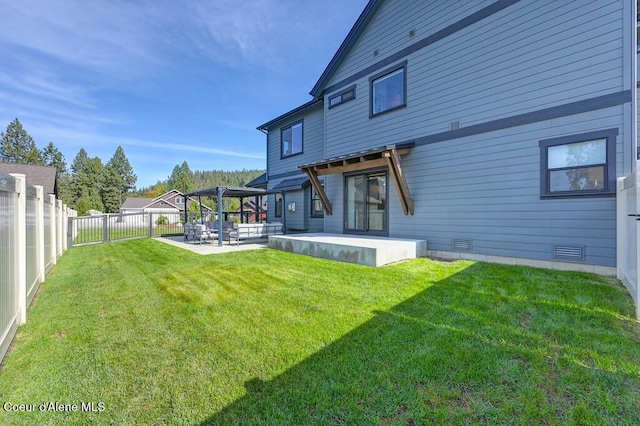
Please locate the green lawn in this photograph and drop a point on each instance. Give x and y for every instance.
(164, 336)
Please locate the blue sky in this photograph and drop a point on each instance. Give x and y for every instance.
(169, 81)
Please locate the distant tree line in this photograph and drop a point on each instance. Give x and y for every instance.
(89, 184)
(185, 180)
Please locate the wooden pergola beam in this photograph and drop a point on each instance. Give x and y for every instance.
(315, 183)
(393, 161)
(389, 158)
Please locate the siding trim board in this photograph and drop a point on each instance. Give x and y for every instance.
(573, 108)
(319, 90)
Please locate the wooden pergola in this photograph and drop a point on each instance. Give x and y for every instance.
(388, 156)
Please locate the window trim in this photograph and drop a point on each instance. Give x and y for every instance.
(342, 97)
(401, 66)
(290, 126)
(609, 135)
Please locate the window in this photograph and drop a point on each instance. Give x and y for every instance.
(291, 138)
(578, 165)
(316, 205)
(179, 200)
(278, 212)
(342, 97)
(388, 90)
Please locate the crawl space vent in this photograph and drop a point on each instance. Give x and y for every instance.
(462, 245)
(575, 253)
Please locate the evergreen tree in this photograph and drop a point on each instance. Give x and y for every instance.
(116, 180)
(83, 191)
(17, 146)
(51, 156)
(181, 178)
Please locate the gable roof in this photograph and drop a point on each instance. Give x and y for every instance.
(159, 201)
(365, 17)
(136, 203)
(44, 176)
(259, 182)
(298, 110)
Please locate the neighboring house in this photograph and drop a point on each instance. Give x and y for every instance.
(170, 204)
(44, 176)
(255, 214)
(492, 129)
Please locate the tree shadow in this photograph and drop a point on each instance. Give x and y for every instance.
(473, 348)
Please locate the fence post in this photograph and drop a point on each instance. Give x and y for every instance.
(52, 233)
(40, 260)
(58, 228)
(105, 228)
(150, 223)
(65, 223)
(621, 227)
(21, 244)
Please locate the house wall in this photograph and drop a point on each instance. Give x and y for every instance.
(523, 73)
(485, 188)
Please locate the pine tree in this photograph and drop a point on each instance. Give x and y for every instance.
(181, 178)
(116, 180)
(51, 156)
(17, 146)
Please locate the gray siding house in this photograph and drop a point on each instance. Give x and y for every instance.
(494, 130)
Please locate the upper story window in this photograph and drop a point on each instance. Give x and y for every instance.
(388, 90)
(578, 164)
(179, 200)
(342, 97)
(291, 139)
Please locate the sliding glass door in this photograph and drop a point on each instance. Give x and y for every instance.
(366, 203)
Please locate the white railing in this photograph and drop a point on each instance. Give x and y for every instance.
(32, 230)
(628, 236)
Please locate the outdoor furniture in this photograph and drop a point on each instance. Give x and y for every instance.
(188, 231)
(252, 230)
(202, 234)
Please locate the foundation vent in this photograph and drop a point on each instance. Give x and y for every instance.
(575, 253)
(462, 245)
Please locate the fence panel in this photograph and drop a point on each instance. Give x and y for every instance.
(9, 307)
(49, 226)
(628, 236)
(33, 270)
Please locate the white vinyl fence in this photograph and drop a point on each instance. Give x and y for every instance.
(628, 235)
(32, 226)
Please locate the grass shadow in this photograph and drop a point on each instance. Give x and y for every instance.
(477, 347)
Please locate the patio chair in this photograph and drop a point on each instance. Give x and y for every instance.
(202, 234)
(188, 231)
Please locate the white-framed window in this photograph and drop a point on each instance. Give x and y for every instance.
(179, 200)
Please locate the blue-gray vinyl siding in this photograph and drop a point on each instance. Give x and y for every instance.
(527, 57)
(486, 189)
(313, 147)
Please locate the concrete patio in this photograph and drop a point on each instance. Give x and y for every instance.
(359, 249)
(211, 247)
